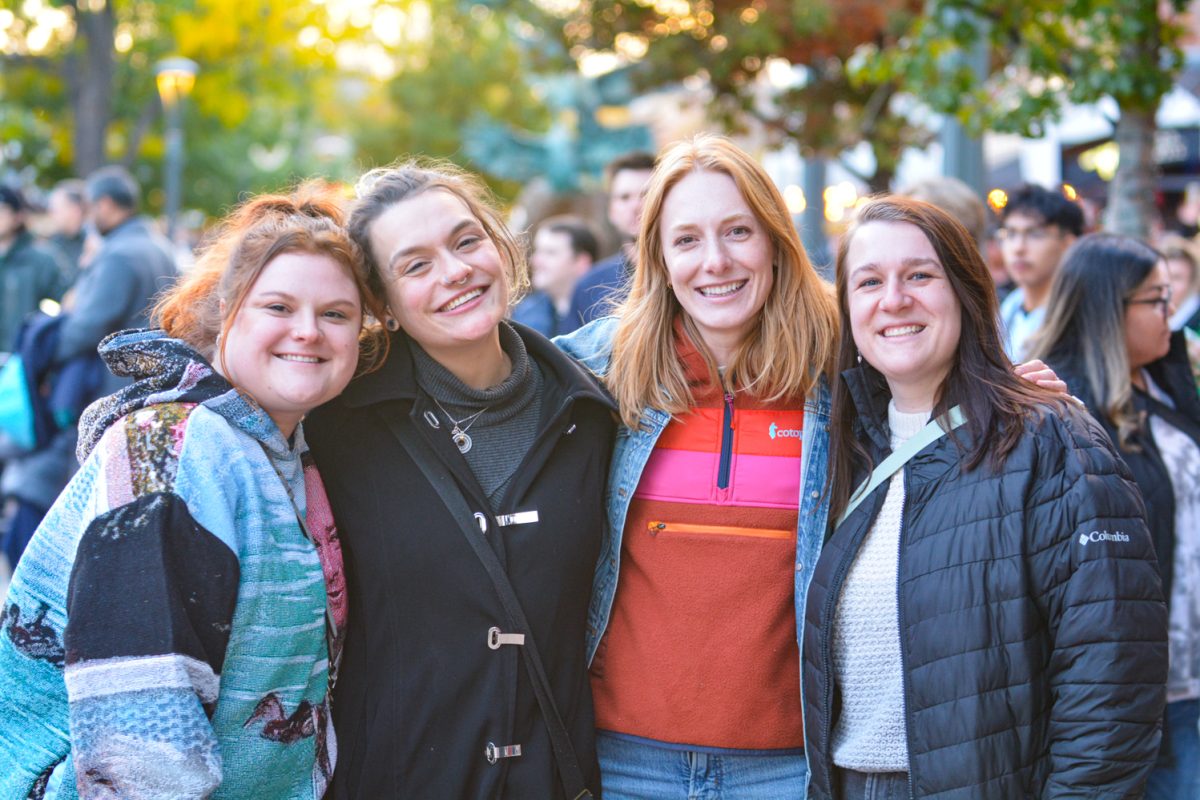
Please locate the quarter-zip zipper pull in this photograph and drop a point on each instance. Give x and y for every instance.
(726, 443)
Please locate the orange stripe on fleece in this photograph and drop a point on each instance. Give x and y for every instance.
(755, 433)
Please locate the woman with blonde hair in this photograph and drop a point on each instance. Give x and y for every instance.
(716, 503)
(172, 630)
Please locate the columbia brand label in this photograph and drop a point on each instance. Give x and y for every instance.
(1103, 536)
(782, 433)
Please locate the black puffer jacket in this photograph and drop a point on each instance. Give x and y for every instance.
(1033, 644)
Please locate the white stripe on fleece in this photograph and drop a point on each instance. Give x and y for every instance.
(107, 676)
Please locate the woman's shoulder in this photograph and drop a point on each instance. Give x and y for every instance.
(591, 345)
(1069, 440)
(147, 446)
(567, 375)
(152, 432)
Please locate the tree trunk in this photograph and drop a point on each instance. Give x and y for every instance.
(90, 77)
(885, 169)
(1131, 210)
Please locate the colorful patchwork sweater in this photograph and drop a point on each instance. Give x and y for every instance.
(165, 633)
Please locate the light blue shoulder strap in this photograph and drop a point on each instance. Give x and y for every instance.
(900, 456)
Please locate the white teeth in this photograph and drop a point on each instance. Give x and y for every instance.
(721, 291)
(903, 330)
(301, 359)
(458, 301)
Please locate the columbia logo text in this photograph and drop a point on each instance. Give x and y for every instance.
(782, 433)
(1103, 536)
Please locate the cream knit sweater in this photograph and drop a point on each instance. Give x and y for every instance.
(869, 735)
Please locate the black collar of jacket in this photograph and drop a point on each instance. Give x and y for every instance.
(396, 379)
(869, 391)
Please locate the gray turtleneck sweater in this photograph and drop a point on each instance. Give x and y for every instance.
(504, 432)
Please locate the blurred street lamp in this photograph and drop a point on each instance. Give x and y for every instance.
(175, 78)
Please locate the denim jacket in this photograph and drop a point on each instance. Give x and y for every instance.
(592, 346)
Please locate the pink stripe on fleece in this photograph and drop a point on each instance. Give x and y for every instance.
(684, 476)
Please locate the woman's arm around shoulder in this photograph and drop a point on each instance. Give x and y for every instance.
(1094, 576)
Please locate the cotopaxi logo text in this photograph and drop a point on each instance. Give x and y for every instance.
(783, 433)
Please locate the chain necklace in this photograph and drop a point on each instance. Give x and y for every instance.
(459, 433)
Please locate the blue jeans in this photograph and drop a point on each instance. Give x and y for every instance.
(1181, 779)
(870, 785)
(631, 770)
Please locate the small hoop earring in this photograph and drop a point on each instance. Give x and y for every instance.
(391, 324)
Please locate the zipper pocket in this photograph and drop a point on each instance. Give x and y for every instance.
(655, 528)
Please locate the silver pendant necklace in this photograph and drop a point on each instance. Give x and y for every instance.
(458, 434)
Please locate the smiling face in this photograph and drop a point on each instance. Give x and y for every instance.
(904, 315)
(293, 343)
(445, 278)
(718, 257)
(1147, 332)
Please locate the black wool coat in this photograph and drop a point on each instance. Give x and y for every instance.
(1031, 616)
(420, 693)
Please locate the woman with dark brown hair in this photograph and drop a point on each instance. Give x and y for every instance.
(1107, 329)
(986, 618)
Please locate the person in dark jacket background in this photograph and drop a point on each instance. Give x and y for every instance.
(607, 283)
(29, 272)
(113, 294)
(987, 620)
(133, 265)
(478, 449)
(66, 208)
(1107, 335)
(564, 249)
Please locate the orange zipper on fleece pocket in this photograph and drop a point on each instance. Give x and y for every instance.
(656, 527)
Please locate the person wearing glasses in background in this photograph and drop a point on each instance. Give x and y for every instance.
(1037, 226)
(1107, 335)
(1184, 272)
